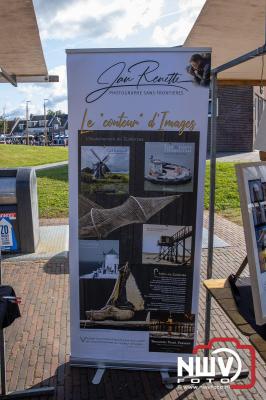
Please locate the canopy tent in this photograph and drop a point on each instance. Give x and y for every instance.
(231, 29)
(21, 60)
(235, 30)
(21, 54)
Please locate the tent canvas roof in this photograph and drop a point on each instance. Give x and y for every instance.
(231, 29)
(21, 51)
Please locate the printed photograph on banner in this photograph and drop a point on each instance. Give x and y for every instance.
(199, 69)
(110, 297)
(104, 183)
(171, 332)
(98, 259)
(104, 169)
(169, 167)
(166, 244)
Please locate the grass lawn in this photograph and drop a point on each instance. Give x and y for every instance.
(53, 183)
(53, 192)
(226, 194)
(25, 156)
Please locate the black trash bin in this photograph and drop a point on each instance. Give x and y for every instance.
(19, 215)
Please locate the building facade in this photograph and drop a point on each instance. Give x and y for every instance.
(239, 112)
(55, 125)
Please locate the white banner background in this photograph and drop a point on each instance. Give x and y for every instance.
(178, 99)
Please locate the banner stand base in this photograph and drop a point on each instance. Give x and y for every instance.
(166, 380)
(28, 393)
(169, 381)
(98, 376)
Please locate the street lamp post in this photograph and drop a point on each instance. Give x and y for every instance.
(45, 130)
(27, 122)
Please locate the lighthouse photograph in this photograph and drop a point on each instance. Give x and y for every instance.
(99, 259)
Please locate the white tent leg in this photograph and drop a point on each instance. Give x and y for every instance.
(98, 376)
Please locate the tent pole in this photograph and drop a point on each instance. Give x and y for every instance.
(211, 205)
(240, 60)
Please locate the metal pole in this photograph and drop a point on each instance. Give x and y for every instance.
(45, 132)
(211, 205)
(239, 60)
(45, 122)
(27, 122)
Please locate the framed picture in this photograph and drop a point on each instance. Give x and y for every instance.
(251, 184)
(256, 190)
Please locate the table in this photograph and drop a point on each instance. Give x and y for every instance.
(221, 291)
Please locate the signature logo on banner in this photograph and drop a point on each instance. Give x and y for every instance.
(141, 74)
(229, 365)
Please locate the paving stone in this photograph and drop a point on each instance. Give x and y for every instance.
(37, 345)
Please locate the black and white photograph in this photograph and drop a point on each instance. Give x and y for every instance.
(99, 259)
(166, 244)
(259, 214)
(261, 246)
(256, 190)
(169, 167)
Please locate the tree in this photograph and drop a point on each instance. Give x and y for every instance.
(3, 125)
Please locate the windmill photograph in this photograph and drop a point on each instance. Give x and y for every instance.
(104, 169)
(100, 168)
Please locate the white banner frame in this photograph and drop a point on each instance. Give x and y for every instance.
(74, 126)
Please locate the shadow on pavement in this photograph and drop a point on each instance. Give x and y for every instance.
(57, 264)
(73, 383)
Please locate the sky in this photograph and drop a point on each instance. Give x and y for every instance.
(69, 24)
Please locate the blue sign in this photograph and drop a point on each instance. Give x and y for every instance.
(8, 241)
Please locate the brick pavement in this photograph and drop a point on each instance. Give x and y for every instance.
(38, 343)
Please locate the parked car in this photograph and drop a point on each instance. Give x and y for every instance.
(2, 139)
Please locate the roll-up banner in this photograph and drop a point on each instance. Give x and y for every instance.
(138, 129)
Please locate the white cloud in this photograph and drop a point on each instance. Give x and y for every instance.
(56, 93)
(176, 33)
(93, 18)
